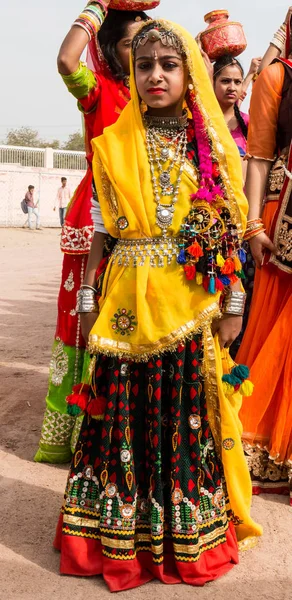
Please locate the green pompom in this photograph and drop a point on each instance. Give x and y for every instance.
(230, 378)
(241, 372)
(73, 410)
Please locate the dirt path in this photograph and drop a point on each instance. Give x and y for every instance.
(31, 494)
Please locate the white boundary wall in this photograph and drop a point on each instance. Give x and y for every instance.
(14, 181)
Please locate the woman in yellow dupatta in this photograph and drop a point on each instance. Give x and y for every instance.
(158, 486)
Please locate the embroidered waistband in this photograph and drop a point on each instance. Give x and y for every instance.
(133, 253)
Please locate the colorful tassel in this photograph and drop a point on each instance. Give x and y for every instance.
(239, 274)
(224, 279)
(219, 285)
(228, 267)
(181, 259)
(242, 256)
(206, 283)
(212, 286)
(220, 260)
(195, 250)
(237, 263)
(190, 271)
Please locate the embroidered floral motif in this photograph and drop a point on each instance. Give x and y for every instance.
(59, 364)
(69, 283)
(122, 223)
(124, 322)
(77, 240)
(228, 444)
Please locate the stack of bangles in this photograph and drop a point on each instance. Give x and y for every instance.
(233, 303)
(254, 227)
(86, 300)
(92, 17)
(279, 39)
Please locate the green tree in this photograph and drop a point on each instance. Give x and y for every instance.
(75, 142)
(24, 136)
(28, 137)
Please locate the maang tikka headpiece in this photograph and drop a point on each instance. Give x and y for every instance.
(167, 38)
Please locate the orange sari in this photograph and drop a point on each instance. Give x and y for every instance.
(267, 344)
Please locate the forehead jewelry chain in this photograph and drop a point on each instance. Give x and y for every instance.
(159, 151)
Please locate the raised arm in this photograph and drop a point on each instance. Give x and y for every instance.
(85, 27)
(277, 44)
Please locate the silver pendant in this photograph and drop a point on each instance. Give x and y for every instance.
(167, 191)
(164, 215)
(165, 154)
(164, 179)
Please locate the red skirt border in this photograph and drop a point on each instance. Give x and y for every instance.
(83, 557)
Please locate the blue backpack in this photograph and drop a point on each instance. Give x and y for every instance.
(24, 206)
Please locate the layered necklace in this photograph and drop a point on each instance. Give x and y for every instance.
(162, 134)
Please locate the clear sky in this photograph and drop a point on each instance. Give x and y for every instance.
(31, 31)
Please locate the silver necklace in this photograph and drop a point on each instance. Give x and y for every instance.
(159, 151)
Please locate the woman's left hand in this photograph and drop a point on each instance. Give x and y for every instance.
(228, 329)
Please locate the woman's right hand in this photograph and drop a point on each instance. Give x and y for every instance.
(258, 245)
(87, 320)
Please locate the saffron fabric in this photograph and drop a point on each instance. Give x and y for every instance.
(266, 347)
(264, 109)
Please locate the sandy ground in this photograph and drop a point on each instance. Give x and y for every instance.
(31, 494)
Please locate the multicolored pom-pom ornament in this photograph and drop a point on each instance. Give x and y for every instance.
(237, 381)
(210, 250)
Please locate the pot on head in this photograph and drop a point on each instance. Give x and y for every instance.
(222, 36)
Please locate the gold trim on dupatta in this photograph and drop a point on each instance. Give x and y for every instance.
(143, 352)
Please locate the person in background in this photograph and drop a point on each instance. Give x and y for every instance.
(266, 347)
(228, 81)
(32, 207)
(63, 199)
(102, 92)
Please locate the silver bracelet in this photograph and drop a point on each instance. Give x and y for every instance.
(86, 301)
(84, 286)
(234, 303)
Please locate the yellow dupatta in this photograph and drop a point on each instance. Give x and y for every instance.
(145, 310)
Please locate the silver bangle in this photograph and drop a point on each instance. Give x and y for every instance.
(234, 303)
(86, 301)
(84, 286)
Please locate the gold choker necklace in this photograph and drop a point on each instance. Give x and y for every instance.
(167, 123)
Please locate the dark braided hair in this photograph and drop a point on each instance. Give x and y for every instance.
(227, 60)
(112, 31)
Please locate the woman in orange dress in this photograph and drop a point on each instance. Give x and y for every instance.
(267, 344)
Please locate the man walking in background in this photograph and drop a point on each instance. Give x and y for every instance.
(32, 207)
(62, 199)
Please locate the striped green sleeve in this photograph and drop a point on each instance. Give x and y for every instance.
(81, 82)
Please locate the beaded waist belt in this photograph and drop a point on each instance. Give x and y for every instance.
(133, 253)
